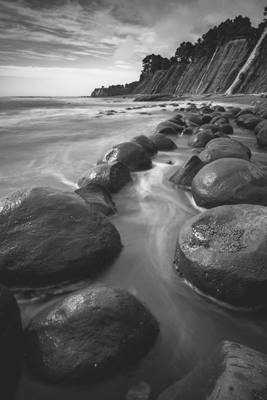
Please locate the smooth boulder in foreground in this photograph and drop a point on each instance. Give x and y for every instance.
(111, 176)
(233, 372)
(48, 235)
(223, 253)
(10, 344)
(130, 154)
(230, 181)
(91, 334)
(162, 142)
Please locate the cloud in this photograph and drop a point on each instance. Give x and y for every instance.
(107, 34)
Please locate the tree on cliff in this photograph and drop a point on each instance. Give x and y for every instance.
(153, 63)
(184, 53)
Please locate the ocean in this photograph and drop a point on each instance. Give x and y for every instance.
(52, 142)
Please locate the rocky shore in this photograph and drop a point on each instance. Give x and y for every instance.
(50, 236)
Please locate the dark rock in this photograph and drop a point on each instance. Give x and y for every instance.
(193, 119)
(248, 121)
(219, 108)
(246, 111)
(184, 175)
(234, 110)
(227, 129)
(230, 181)
(206, 119)
(91, 334)
(111, 176)
(147, 144)
(211, 127)
(169, 128)
(262, 137)
(205, 110)
(220, 121)
(224, 148)
(201, 138)
(233, 372)
(10, 344)
(260, 125)
(162, 142)
(97, 198)
(223, 252)
(48, 236)
(130, 154)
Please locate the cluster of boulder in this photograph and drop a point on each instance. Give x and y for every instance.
(50, 236)
(222, 251)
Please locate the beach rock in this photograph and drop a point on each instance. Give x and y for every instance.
(193, 119)
(147, 144)
(248, 121)
(188, 131)
(229, 181)
(224, 148)
(262, 137)
(169, 128)
(260, 125)
(219, 108)
(223, 252)
(97, 198)
(201, 138)
(232, 372)
(91, 334)
(49, 236)
(227, 129)
(220, 121)
(130, 154)
(10, 344)
(206, 119)
(162, 142)
(246, 111)
(184, 175)
(211, 127)
(111, 176)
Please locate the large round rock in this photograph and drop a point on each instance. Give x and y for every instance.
(130, 154)
(90, 334)
(48, 235)
(147, 144)
(162, 142)
(10, 344)
(224, 148)
(223, 252)
(229, 181)
(111, 176)
(233, 372)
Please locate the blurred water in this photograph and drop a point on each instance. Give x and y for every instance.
(52, 142)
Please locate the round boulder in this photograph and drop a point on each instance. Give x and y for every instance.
(48, 236)
(91, 334)
(130, 154)
(147, 144)
(232, 372)
(10, 344)
(230, 181)
(248, 121)
(223, 252)
(201, 138)
(111, 176)
(169, 128)
(222, 148)
(162, 142)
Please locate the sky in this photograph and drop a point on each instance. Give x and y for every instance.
(69, 47)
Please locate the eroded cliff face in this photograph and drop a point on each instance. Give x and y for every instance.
(208, 74)
(235, 67)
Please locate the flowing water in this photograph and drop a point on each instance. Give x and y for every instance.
(51, 142)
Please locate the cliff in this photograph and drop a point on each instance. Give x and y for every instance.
(234, 67)
(115, 90)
